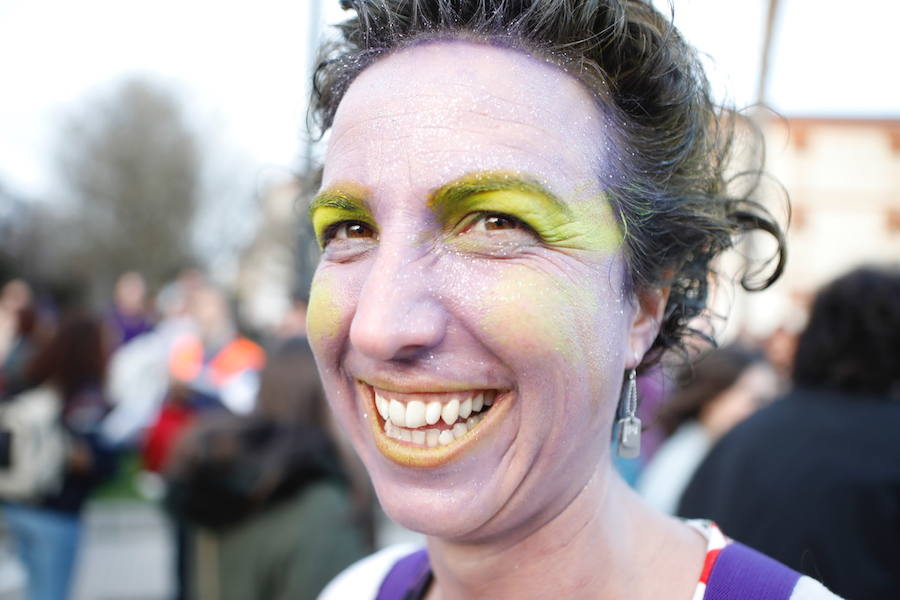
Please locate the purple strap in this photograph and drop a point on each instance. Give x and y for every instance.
(405, 577)
(742, 573)
(739, 573)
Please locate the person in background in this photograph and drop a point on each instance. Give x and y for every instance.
(139, 370)
(293, 323)
(18, 319)
(271, 511)
(212, 370)
(720, 390)
(129, 316)
(814, 479)
(211, 367)
(47, 531)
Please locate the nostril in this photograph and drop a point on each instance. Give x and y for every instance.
(399, 333)
(399, 313)
(402, 346)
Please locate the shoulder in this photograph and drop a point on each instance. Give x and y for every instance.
(362, 579)
(741, 572)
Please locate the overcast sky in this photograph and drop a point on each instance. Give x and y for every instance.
(241, 66)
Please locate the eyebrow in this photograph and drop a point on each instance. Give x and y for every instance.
(482, 182)
(336, 198)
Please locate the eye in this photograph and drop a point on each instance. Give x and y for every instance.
(494, 222)
(347, 230)
(490, 222)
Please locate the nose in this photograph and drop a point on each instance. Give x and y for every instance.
(398, 314)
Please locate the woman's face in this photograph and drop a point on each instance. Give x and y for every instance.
(469, 255)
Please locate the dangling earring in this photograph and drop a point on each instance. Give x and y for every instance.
(629, 443)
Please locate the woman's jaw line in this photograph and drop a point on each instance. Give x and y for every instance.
(409, 431)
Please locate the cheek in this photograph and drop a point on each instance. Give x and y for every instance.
(543, 315)
(325, 312)
(571, 330)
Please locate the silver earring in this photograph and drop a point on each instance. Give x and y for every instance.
(629, 443)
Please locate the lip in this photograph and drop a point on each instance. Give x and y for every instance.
(412, 384)
(414, 456)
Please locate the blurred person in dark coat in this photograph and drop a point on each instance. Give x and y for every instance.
(272, 511)
(814, 479)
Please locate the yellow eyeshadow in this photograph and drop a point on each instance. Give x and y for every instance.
(335, 205)
(587, 227)
(326, 216)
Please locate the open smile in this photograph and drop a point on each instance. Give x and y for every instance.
(426, 429)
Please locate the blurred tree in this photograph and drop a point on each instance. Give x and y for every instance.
(133, 167)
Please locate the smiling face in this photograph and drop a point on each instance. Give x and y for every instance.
(471, 262)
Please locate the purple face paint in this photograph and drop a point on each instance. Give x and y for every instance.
(473, 348)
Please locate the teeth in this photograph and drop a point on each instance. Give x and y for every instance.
(465, 409)
(415, 414)
(406, 422)
(397, 413)
(431, 437)
(433, 412)
(450, 412)
(478, 402)
(382, 405)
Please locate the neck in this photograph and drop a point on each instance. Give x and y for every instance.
(599, 545)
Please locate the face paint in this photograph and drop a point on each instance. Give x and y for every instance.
(558, 314)
(584, 225)
(323, 315)
(491, 266)
(337, 205)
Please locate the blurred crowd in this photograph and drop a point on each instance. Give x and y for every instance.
(226, 429)
(789, 443)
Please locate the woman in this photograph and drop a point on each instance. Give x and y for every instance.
(518, 208)
(47, 530)
(725, 387)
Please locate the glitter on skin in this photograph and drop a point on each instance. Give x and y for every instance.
(323, 316)
(525, 295)
(344, 202)
(585, 225)
(415, 305)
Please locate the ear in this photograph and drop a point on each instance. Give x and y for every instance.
(649, 307)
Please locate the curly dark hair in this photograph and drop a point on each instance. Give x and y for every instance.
(671, 143)
(852, 341)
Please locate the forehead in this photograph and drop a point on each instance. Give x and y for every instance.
(432, 113)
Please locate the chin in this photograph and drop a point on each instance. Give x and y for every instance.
(442, 514)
